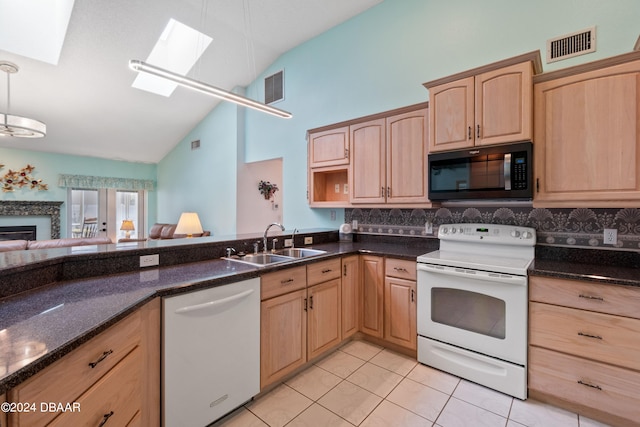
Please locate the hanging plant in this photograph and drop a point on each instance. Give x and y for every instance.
(20, 179)
(267, 189)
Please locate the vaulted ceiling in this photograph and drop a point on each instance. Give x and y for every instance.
(87, 100)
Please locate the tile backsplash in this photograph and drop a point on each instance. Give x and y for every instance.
(581, 227)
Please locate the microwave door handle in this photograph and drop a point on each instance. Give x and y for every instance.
(507, 171)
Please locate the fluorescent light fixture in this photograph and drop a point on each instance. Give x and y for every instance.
(35, 28)
(178, 49)
(187, 82)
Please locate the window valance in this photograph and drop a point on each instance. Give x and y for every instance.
(93, 182)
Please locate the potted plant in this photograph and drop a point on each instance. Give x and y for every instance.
(267, 189)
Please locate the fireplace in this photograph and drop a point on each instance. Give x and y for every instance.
(33, 208)
(18, 232)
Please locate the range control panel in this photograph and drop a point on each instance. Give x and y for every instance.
(489, 233)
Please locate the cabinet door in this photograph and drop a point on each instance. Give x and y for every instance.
(407, 157)
(586, 138)
(350, 295)
(503, 105)
(400, 312)
(372, 276)
(283, 336)
(324, 328)
(368, 162)
(451, 115)
(329, 147)
(3, 414)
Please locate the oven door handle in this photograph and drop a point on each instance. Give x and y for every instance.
(474, 274)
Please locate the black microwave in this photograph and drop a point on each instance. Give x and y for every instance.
(492, 172)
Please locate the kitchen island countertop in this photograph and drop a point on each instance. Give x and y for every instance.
(48, 322)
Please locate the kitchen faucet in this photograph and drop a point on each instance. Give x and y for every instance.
(264, 241)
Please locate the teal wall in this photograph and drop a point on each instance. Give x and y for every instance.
(49, 165)
(375, 62)
(203, 180)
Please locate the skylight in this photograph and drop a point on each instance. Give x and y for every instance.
(178, 49)
(34, 28)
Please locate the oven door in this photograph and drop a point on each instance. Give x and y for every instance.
(477, 310)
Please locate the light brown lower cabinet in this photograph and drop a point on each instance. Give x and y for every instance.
(584, 348)
(350, 295)
(300, 325)
(400, 301)
(3, 414)
(283, 336)
(323, 317)
(114, 378)
(372, 285)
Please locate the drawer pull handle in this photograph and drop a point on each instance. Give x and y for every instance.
(101, 358)
(284, 282)
(597, 387)
(582, 334)
(311, 302)
(105, 418)
(400, 269)
(591, 297)
(327, 271)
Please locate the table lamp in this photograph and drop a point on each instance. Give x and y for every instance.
(189, 224)
(128, 227)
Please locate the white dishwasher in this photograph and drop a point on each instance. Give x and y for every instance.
(211, 352)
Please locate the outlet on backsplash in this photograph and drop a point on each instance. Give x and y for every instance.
(610, 236)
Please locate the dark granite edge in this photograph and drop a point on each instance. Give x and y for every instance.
(63, 265)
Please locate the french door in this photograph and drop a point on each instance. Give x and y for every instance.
(110, 208)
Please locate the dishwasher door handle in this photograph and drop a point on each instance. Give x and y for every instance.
(205, 305)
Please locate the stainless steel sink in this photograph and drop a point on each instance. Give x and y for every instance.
(300, 252)
(261, 259)
(283, 255)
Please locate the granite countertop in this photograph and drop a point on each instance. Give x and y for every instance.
(48, 322)
(605, 267)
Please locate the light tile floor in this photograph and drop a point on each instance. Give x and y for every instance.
(362, 384)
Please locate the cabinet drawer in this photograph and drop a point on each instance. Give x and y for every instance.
(323, 271)
(611, 299)
(400, 268)
(65, 380)
(602, 337)
(283, 281)
(594, 385)
(116, 397)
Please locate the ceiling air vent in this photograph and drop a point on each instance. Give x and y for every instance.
(274, 88)
(571, 45)
(195, 144)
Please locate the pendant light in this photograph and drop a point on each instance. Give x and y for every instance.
(17, 126)
(187, 82)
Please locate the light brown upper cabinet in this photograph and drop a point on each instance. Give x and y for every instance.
(329, 147)
(587, 130)
(484, 106)
(390, 165)
(389, 159)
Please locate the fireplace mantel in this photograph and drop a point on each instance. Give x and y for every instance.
(34, 208)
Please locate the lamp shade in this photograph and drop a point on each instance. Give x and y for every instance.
(189, 224)
(127, 225)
